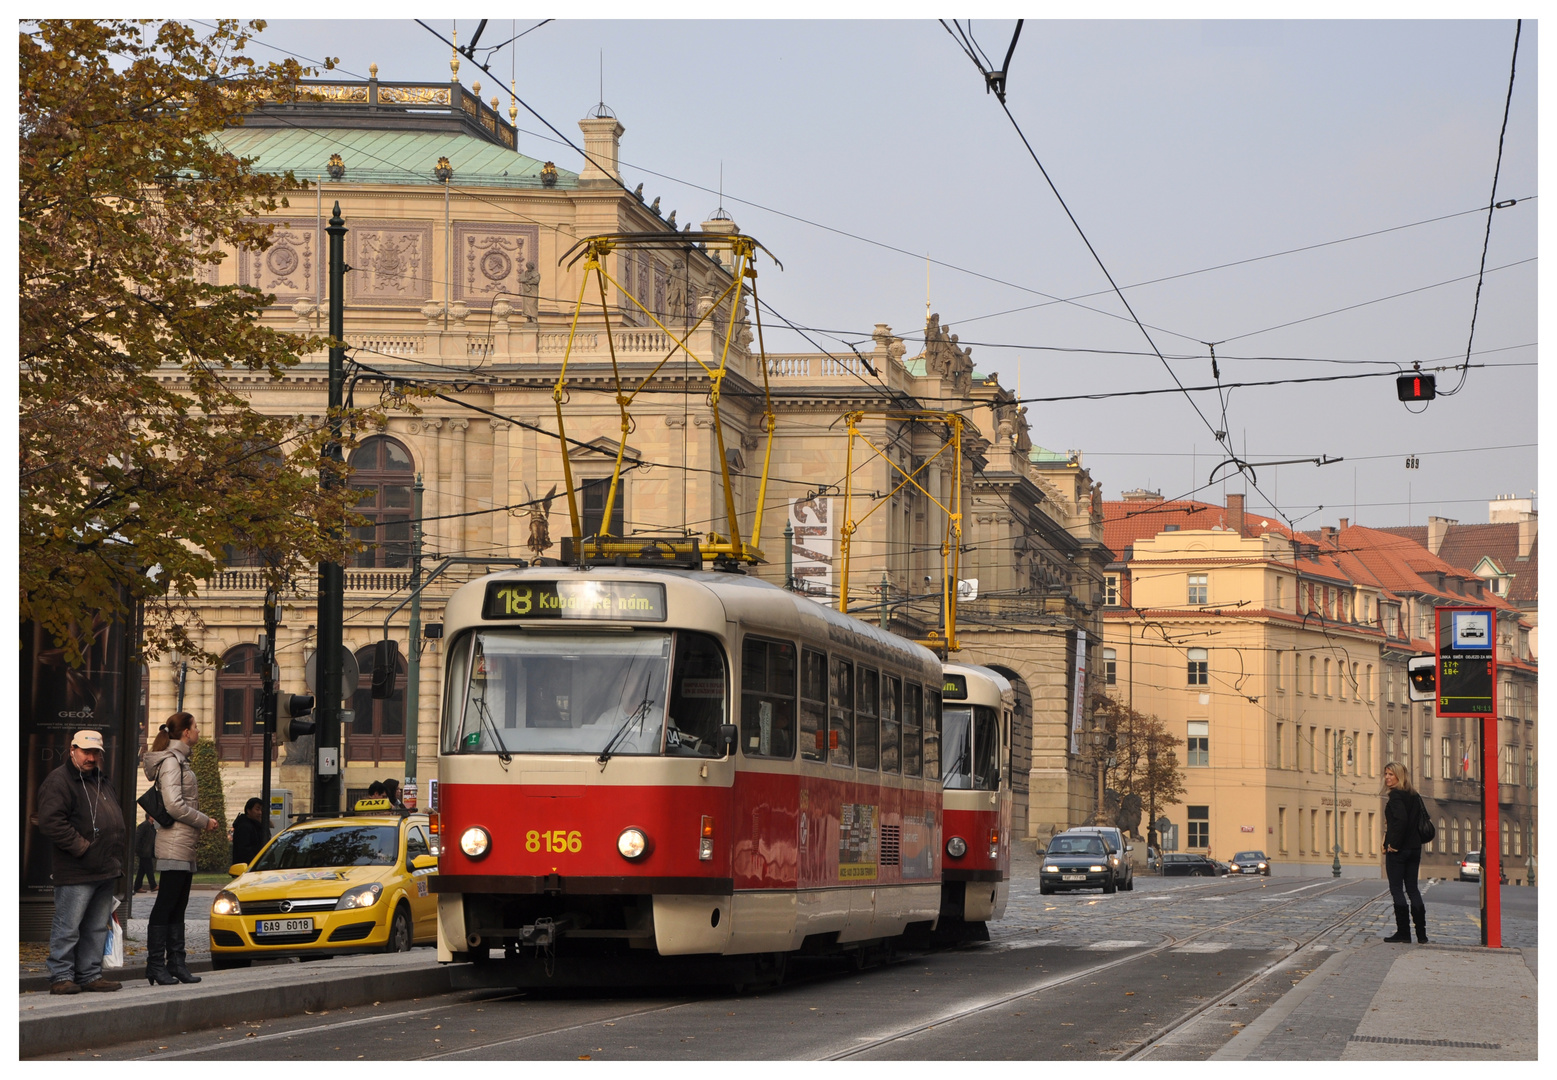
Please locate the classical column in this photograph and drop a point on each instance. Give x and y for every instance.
(501, 493)
(459, 498)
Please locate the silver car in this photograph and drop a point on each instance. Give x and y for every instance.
(1120, 852)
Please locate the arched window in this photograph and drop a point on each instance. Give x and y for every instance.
(1442, 843)
(238, 736)
(1454, 836)
(377, 730)
(382, 471)
(1504, 830)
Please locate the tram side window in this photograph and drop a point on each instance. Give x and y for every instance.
(866, 743)
(913, 735)
(696, 697)
(891, 718)
(932, 732)
(840, 714)
(986, 748)
(768, 698)
(957, 729)
(813, 705)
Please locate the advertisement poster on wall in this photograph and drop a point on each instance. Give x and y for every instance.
(811, 549)
(1079, 692)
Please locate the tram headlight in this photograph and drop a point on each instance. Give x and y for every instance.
(632, 844)
(956, 847)
(475, 842)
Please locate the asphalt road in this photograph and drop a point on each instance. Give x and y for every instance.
(1074, 976)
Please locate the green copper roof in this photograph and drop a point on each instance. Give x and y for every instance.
(1038, 455)
(387, 157)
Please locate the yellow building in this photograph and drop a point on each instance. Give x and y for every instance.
(462, 282)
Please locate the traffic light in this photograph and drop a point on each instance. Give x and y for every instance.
(1416, 387)
(298, 720)
(1422, 678)
(386, 666)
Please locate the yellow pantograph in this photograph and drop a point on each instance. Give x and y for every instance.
(943, 639)
(725, 547)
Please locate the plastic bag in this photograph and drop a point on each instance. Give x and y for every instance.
(113, 944)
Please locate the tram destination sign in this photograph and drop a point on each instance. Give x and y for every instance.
(1467, 662)
(955, 687)
(607, 601)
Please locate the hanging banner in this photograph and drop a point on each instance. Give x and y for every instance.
(811, 549)
(1079, 692)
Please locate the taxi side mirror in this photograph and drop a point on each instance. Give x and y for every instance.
(424, 862)
(237, 869)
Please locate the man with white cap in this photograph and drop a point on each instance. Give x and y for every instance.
(78, 811)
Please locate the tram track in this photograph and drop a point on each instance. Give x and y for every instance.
(1170, 941)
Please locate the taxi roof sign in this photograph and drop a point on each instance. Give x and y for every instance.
(369, 806)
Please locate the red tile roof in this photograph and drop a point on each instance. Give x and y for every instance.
(1467, 545)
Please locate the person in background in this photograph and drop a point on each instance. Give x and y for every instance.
(392, 793)
(79, 814)
(167, 766)
(1403, 853)
(146, 854)
(250, 830)
(375, 790)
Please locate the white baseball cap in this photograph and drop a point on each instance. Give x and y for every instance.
(87, 740)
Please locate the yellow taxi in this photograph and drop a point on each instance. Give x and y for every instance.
(336, 885)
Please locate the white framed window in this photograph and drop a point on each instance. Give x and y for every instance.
(1199, 588)
(1111, 589)
(1199, 667)
(1110, 667)
(1198, 744)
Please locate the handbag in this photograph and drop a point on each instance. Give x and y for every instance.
(113, 944)
(155, 808)
(1425, 832)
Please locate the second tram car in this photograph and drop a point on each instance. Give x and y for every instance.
(976, 714)
(638, 760)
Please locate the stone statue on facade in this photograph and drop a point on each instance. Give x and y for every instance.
(539, 513)
(530, 292)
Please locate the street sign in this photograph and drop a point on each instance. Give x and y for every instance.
(1169, 835)
(350, 674)
(1467, 662)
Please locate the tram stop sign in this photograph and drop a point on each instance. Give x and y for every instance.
(351, 675)
(1467, 662)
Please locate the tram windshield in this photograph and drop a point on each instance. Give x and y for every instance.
(970, 747)
(527, 692)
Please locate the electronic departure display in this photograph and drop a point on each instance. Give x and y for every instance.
(1467, 662)
(608, 601)
(955, 687)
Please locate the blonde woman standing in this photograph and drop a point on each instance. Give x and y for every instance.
(1403, 853)
(167, 766)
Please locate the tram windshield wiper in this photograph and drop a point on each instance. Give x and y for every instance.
(503, 755)
(637, 714)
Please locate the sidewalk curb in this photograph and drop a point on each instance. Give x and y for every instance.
(1241, 1045)
(211, 1006)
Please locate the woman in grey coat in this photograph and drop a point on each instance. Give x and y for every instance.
(167, 766)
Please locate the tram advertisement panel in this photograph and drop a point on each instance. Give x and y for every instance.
(857, 841)
(918, 858)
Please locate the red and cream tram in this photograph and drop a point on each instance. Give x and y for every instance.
(682, 763)
(978, 705)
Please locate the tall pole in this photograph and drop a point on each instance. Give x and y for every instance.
(789, 556)
(413, 660)
(268, 701)
(327, 778)
(1335, 806)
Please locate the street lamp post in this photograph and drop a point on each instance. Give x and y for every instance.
(1098, 737)
(1335, 802)
(1152, 839)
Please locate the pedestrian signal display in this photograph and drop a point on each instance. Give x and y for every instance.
(1416, 387)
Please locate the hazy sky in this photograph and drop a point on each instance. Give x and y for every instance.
(1178, 146)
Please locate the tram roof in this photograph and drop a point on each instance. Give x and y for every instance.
(749, 599)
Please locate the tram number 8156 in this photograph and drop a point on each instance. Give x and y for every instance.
(554, 840)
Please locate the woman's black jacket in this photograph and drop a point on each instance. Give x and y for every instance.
(1400, 814)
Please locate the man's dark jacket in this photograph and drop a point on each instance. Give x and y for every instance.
(68, 800)
(146, 840)
(248, 836)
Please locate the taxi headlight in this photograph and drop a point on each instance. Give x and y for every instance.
(956, 847)
(1097, 869)
(226, 904)
(475, 841)
(364, 896)
(632, 844)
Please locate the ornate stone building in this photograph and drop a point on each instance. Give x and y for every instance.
(463, 281)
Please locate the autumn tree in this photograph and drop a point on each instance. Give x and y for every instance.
(1143, 766)
(143, 466)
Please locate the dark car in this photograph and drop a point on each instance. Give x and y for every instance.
(1250, 862)
(1182, 864)
(1120, 852)
(1076, 861)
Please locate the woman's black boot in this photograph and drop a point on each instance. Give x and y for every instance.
(1402, 925)
(178, 966)
(156, 957)
(1419, 916)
